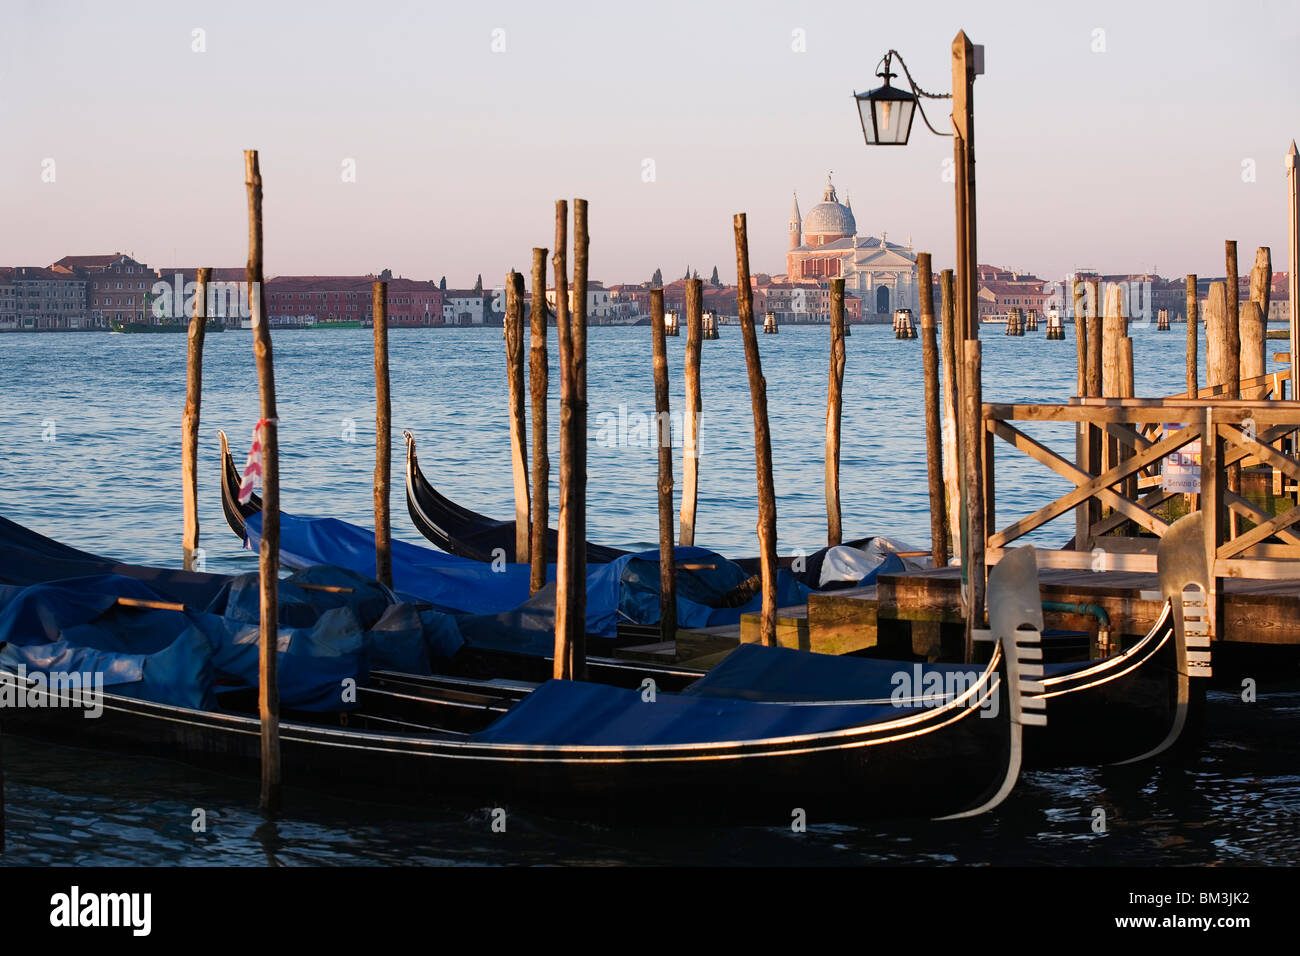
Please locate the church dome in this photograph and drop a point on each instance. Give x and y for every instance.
(829, 218)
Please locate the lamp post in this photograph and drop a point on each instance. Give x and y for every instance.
(886, 114)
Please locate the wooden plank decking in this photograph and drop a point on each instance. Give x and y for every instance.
(1255, 611)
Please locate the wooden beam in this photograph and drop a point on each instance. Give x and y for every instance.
(951, 411)
(1232, 294)
(518, 415)
(664, 442)
(933, 432)
(1193, 330)
(974, 566)
(834, 408)
(762, 436)
(538, 385)
(190, 421)
(1293, 246)
(1086, 487)
(694, 409)
(567, 630)
(578, 541)
(383, 439)
(268, 694)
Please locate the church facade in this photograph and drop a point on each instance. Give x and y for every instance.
(825, 245)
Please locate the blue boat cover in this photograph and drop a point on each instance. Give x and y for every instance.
(185, 657)
(754, 672)
(565, 712)
(497, 594)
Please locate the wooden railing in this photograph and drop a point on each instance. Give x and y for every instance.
(1121, 444)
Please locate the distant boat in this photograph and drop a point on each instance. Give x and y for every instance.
(214, 325)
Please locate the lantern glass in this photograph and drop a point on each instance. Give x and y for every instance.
(886, 114)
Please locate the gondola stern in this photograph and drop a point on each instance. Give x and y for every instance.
(1016, 625)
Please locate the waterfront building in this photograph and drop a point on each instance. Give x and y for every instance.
(117, 288)
(325, 300)
(8, 307)
(48, 300)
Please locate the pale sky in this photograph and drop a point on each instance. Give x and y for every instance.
(1120, 160)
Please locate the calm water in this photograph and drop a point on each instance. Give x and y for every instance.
(90, 428)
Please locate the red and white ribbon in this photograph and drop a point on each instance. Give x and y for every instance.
(253, 467)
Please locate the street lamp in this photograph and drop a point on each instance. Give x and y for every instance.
(886, 114)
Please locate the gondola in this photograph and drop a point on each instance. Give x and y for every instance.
(1134, 705)
(568, 746)
(1128, 706)
(458, 530)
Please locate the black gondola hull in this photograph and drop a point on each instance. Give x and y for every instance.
(941, 761)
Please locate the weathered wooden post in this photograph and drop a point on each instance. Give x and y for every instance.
(1193, 331)
(1095, 340)
(834, 415)
(383, 439)
(1218, 353)
(952, 467)
(578, 493)
(1233, 293)
(538, 384)
(268, 694)
(933, 433)
(518, 413)
(1212, 488)
(973, 440)
(1117, 374)
(1253, 335)
(1114, 328)
(1083, 514)
(769, 324)
(567, 631)
(1162, 320)
(1261, 279)
(1293, 246)
(762, 437)
(664, 442)
(1096, 435)
(190, 421)
(1081, 352)
(692, 412)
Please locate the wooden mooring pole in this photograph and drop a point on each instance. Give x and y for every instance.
(538, 383)
(518, 413)
(834, 415)
(1193, 331)
(1233, 293)
(578, 488)
(190, 421)
(762, 437)
(383, 439)
(973, 463)
(692, 412)
(664, 442)
(1293, 260)
(268, 694)
(567, 631)
(933, 430)
(1252, 362)
(1261, 279)
(949, 349)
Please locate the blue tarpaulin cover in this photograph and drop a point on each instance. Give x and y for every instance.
(568, 712)
(624, 590)
(59, 612)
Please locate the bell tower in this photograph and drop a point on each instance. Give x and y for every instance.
(796, 225)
